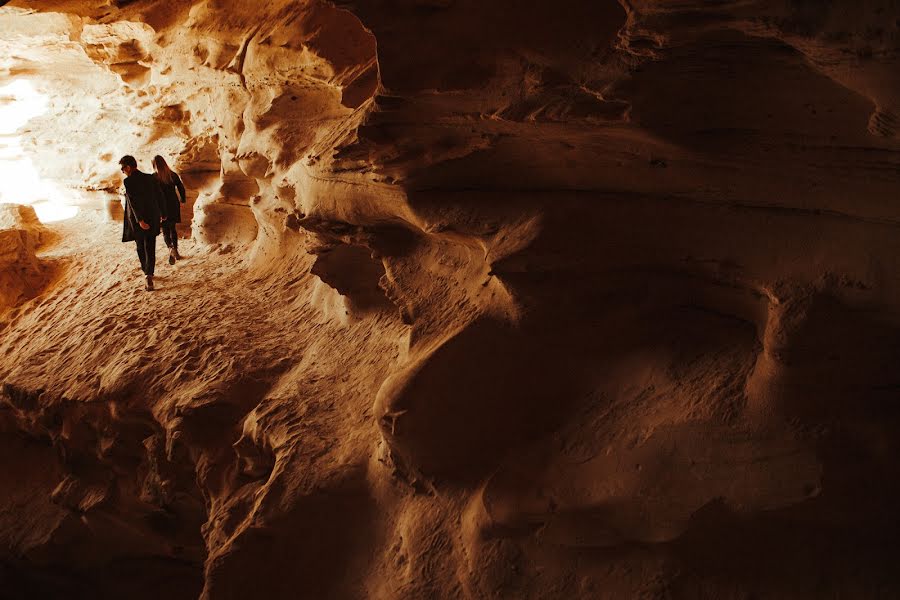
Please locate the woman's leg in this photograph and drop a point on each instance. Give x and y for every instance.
(170, 234)
(168, 229)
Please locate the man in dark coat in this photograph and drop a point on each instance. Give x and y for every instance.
(143, 211)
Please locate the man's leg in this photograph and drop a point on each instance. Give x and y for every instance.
(147, 249)
(142, 255)
(150, 251)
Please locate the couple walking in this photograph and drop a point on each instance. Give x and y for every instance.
(151, 205)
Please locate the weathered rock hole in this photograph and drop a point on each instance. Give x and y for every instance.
(354, 273)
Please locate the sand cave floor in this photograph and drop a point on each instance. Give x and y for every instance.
(214, 336)
(97, 303)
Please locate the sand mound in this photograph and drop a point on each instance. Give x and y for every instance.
(21, 274)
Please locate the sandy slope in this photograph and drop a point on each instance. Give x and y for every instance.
(120, 376)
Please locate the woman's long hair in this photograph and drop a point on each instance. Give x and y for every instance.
(163, 172)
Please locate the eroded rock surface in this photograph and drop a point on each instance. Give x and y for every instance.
(22, 276)
(484, 300)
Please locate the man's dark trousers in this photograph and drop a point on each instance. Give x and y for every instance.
(146, 249)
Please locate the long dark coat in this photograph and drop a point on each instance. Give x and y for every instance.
(173, 192)
(143, 202)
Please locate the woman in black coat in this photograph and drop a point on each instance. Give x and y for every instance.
(174, 195)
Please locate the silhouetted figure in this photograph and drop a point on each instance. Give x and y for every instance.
(174, 193)
(143, 200)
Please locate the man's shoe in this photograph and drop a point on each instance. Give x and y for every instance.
(149, 283)
(172, 254)
(177, 256)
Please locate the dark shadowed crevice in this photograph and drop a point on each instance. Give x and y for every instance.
(354, 273)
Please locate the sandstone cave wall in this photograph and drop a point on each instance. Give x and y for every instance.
(638, 260)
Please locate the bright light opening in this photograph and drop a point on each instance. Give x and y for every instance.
(20, 182)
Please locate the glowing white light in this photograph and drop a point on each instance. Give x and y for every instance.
(20, 182)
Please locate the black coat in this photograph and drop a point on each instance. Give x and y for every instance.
(173, 192)
(143, 202)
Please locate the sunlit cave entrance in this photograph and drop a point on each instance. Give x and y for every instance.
(70, 107)
(20, 180)
(65, 116)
